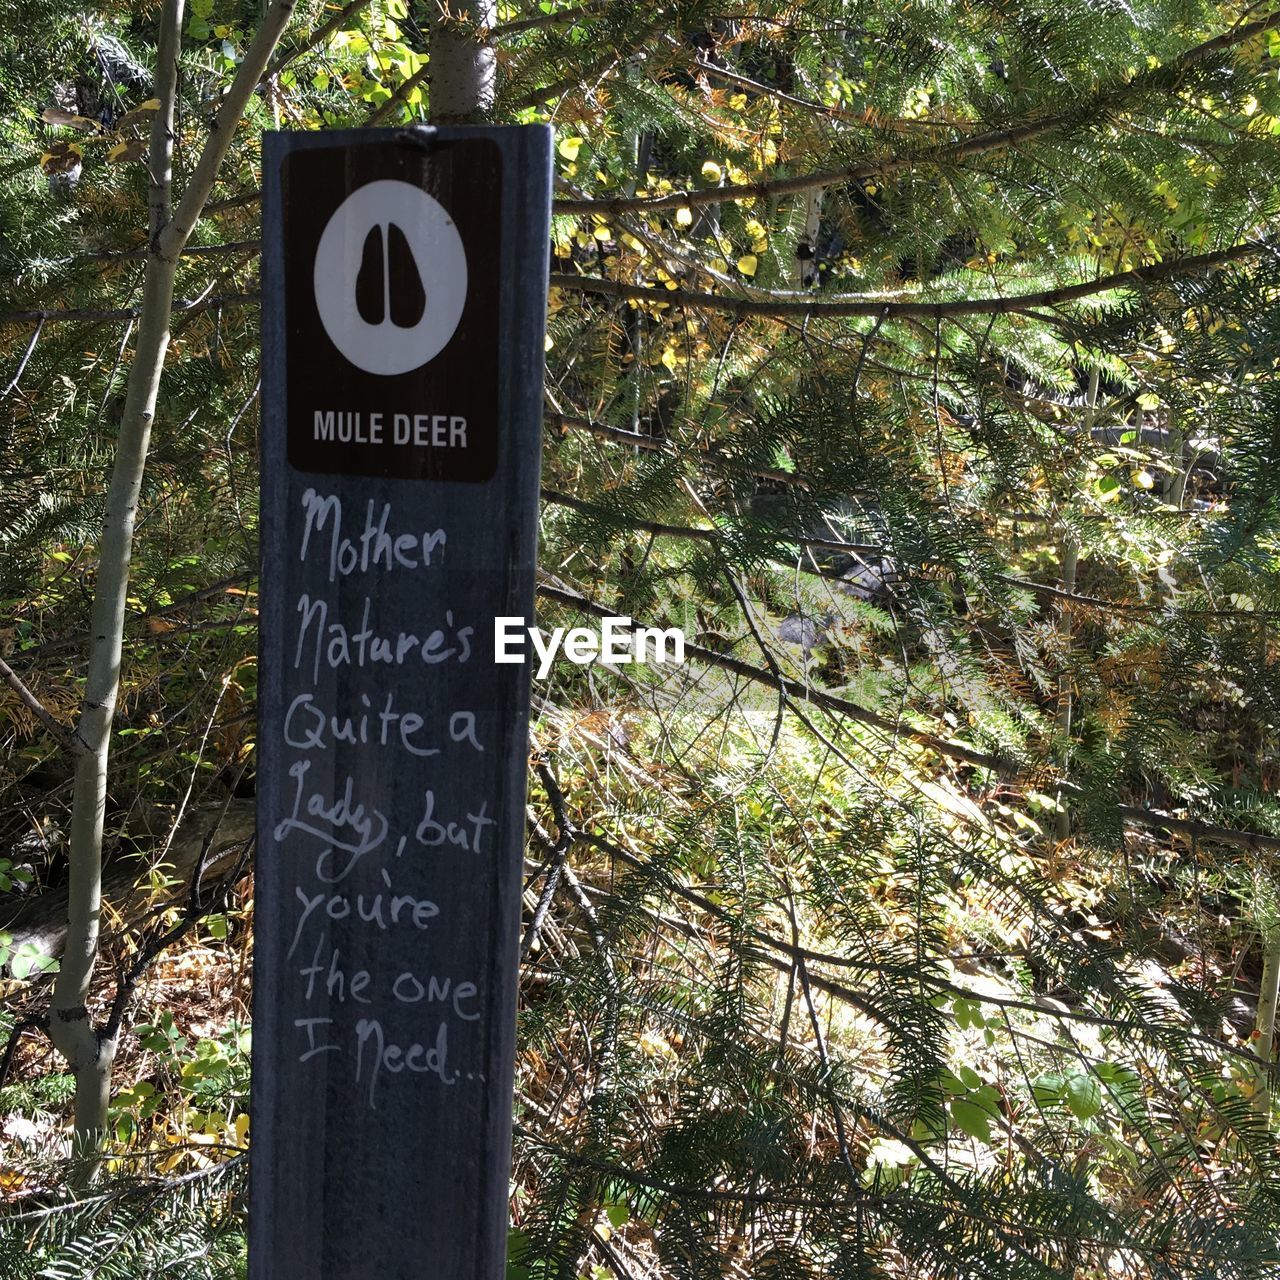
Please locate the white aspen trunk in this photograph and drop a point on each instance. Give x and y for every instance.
(89, 1049)
(464, 67)
(807, 247)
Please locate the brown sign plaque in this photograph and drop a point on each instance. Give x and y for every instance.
(391, 298)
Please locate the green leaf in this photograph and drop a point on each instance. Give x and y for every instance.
(1048, 1089)
(1084, 1095)
(972, 1119)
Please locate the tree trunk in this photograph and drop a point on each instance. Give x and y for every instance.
(464, 66)
(89, 1049)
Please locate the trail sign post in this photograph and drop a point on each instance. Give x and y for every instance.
(404, 295)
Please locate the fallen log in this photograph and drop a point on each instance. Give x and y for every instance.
(35, 927)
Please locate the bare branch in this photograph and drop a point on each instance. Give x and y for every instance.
(22, 364)
(248, 247)
(11, 1048)
(555, 863)
(37, 708)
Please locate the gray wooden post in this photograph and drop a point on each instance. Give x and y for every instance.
(404, 289)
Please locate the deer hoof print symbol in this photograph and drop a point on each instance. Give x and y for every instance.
(390, 278)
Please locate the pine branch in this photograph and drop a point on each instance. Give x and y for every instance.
(561, 17)
(944, 154)
(584, 75)
(565, 422)
(693, 534)
(248, 247)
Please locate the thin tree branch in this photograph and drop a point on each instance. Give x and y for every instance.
(11, 1047)
(318, 36)
(128, 313)
(189, 251)
(694, 534)
(561, 17)
(402, 91)
(22, 364)
(564, 422)
(559, 852)
(807, 305)
(196, 909)
(56, 728)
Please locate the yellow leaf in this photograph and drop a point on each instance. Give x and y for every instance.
(62, 157)
(569, 148)
(655, 1045)
(139, 115)
(684, 216)
(1143, 479)
(747, 264)
(123, 152)
(711, 171)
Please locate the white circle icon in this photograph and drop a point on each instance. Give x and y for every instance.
(390, 278)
